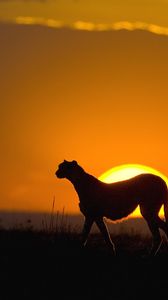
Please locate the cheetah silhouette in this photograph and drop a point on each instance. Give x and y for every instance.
(117, 200)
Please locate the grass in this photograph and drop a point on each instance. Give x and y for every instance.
(53, 265)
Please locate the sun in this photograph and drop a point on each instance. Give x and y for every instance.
(127, 171)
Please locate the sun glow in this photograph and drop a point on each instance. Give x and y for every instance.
(127, 171)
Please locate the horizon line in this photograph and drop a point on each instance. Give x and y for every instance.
(62, 212)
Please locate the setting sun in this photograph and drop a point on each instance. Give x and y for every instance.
(127, 171)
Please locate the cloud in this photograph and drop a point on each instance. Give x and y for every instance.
(121, 25)
(39, 21)
(90, 26)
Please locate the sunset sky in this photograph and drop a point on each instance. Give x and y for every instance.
(83, 80)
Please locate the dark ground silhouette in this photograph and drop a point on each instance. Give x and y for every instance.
(39, 265)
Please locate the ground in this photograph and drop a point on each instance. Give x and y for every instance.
(41, 265)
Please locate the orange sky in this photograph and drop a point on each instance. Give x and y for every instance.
(97, 97)
(97, 11)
